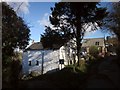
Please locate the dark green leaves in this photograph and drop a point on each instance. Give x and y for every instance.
(15, 33)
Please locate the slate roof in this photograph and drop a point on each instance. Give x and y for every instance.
(86, 43)
(39, 46)
(92, 42)
(36, 46)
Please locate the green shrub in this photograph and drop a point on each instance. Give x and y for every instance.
(11, 71)
(93, 51)
(26, 77)
(34, 73)
(78, 69)
(82, 66)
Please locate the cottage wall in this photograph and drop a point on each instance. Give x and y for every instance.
(36, 54)
(25, 66)
(50, 61)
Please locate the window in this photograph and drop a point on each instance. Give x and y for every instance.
(37, 63)
(61, 61)
(96, 43)
(29, 63)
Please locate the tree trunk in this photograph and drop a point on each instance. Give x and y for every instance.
(78, 38)
(78, 24)
(118, 52)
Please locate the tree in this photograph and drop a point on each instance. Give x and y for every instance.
(93, 50)
(50, 39)
(72, 19)
(15, 33)
(113, 24)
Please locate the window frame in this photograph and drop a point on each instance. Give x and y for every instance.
(97, 43)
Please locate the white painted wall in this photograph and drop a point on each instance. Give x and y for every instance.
(25, 67)
(51, 60)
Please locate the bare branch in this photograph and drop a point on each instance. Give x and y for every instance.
(19, 7)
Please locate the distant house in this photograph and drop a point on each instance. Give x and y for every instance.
(99, 42)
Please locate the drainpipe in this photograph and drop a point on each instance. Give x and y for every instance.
(42, 67)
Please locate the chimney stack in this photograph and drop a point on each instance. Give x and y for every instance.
(32, 41)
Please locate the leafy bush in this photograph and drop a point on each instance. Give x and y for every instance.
(34, 73)
(93, 51)
(82, 66)
(78, 69)
(11, 71)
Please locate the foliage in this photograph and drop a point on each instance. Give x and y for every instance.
(51, 38)
(72, 19)
(34, 73)
(11, 73)
(93, 50)
(15, 33)
(113, 24)
(82, 68)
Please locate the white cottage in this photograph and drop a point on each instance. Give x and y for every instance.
(35, 58)
(40, 60)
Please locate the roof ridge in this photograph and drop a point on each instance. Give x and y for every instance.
(94, 38)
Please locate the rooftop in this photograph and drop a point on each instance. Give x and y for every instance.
(92, 41)
(36, 46)
(39, 46)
